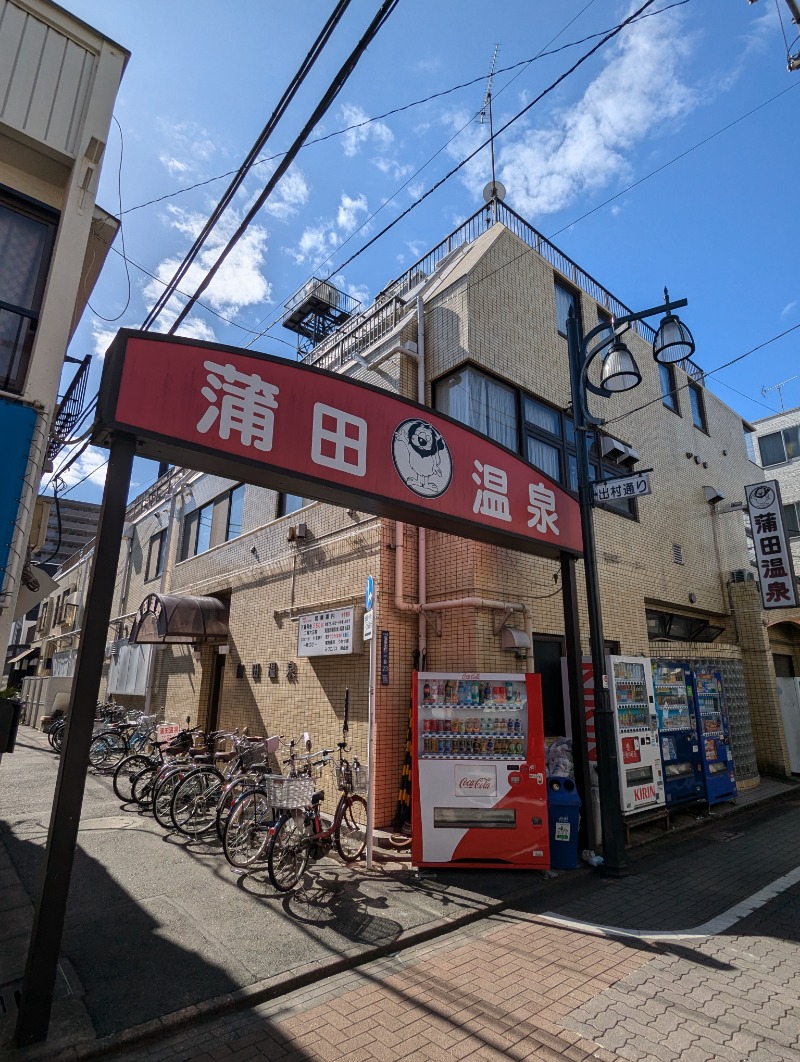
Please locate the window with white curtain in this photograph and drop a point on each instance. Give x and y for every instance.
(479, 402)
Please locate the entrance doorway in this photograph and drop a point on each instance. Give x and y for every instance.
(218, 669)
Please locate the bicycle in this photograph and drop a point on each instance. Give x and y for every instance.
(110, 746)
(197, 800)
(134, 774)
(257, 808)
(298, 835)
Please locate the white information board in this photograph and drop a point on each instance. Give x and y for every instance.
(325, 633)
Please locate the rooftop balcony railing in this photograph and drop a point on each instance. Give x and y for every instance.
(375, 322)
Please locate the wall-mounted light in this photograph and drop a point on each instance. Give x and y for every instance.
(291, 671)
(272, 672)
(256, 672)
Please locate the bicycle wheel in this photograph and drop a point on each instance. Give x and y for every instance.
(163, 792)
(99, 753)
(125, 775)
(56, 737)
(287, 855)
(107, 749)
(194, 802)
(246, 835)
(351, 833)
(230, 794)
(142, 788)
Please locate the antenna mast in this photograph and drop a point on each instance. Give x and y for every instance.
(778, 387)
(487, 108)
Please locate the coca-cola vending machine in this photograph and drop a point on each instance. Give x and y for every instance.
(479, 795)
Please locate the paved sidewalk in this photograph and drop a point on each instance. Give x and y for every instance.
(187, 986)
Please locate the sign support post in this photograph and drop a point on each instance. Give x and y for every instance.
(369, 633)
(53, 889)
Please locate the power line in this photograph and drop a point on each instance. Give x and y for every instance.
(607, 35)
(587, 55)
(340, 79)
(280, 110)
(712, 372)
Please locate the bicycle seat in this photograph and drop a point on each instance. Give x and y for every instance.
(201, 759)
(317, 798)
(341, 745)
(259, 768)
(224, 757)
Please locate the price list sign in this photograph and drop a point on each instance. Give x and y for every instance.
(326, 633)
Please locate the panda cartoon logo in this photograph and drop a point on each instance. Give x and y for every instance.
(422, 458)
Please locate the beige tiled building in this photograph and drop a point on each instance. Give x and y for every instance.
(475, 330)
(58, 82)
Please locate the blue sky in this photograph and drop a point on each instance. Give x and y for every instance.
(715, 223)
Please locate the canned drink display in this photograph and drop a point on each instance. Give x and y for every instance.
(517, 726)
(489, 746)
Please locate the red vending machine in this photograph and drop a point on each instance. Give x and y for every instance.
(479, 794)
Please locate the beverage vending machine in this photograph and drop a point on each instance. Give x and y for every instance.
(631, 690)
(714, 735)
(479, 793)
(684, 779)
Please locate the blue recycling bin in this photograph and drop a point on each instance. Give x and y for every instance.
(564, 813)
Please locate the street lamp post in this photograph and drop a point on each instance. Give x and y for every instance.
(673, 343)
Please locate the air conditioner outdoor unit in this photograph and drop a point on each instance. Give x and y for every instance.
(612, 448)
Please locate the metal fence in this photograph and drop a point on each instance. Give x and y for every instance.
(377, 321)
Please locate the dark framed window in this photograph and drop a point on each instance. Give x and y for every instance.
(27, 234)
(215, 522)
(791, 518)
(749, 443)
(290, 503)
(548, 436)
(672, 627)
(566, 298)
(780, 446)
(698, 405)
(155, 555)
(480, 402)
(669, 394)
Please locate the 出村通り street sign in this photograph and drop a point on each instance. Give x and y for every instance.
(636, 486)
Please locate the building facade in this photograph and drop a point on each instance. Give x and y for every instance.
(58, 83)
(475, 330)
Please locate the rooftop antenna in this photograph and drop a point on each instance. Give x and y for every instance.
(492, 190)
(778, 387)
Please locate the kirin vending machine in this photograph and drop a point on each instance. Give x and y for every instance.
(714, 735)
(631, 691)
(479, 794)
(684, 779)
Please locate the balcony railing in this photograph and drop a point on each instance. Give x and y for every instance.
(376, 321)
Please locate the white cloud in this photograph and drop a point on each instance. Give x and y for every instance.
(593, 143)
(189, 146)
(319, 241)
(788, 308)
(102, 339)
(92, 464)
(378, 132)
(392, 168)
(240, 281)
(291, 193)
(349, 211)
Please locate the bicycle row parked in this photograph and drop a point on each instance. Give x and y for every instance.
(109, 718)
(262, 818)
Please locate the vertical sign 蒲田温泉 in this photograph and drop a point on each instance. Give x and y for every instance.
(384, 658)
(773, 557)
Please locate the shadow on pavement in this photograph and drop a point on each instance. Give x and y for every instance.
(129, 973)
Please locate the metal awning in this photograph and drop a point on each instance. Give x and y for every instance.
(21, 656)
(175, 618)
